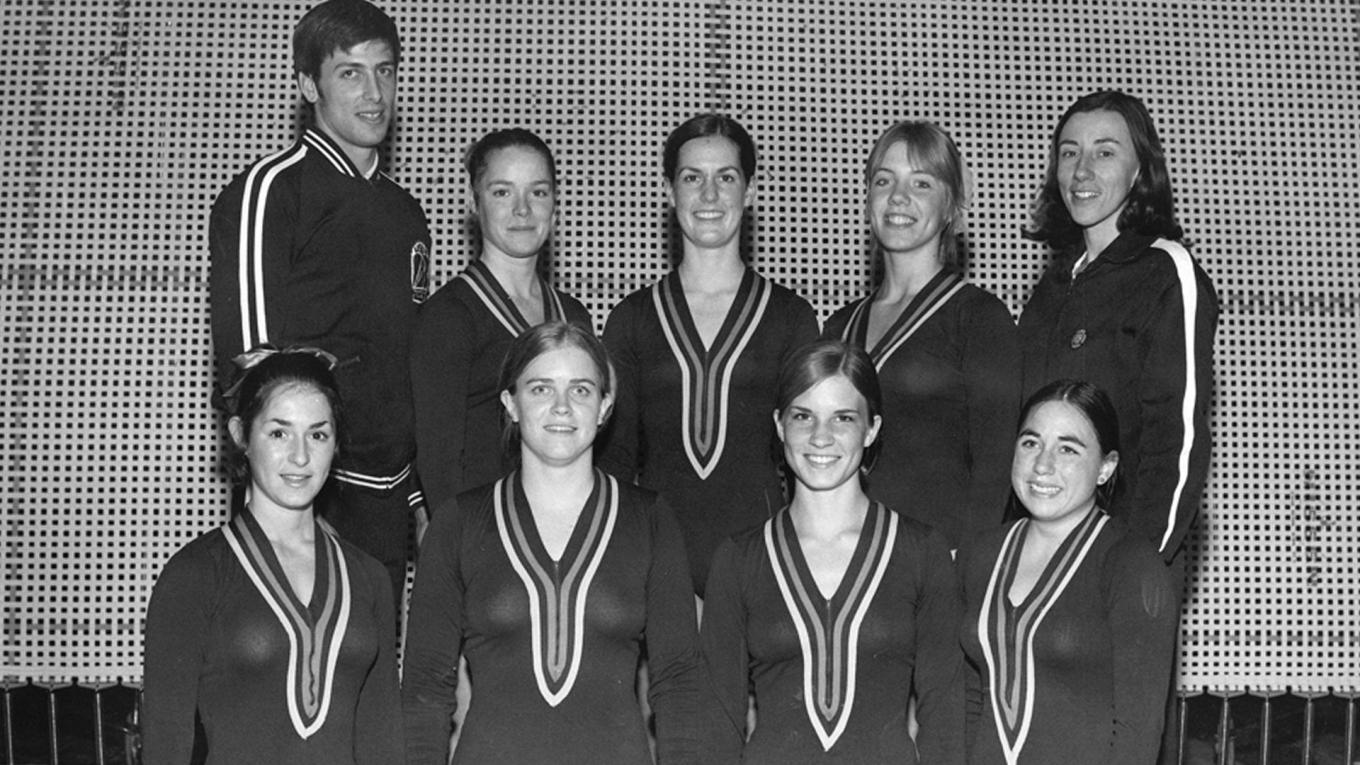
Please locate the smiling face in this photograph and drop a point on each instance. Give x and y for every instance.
(908, 207)
(1096, 169)
(515, 199)
(290, 445)
(709, 192)
(1058, 464)
(825, 431)
(558, 405)
(354, 97)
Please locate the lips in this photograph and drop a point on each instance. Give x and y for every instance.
(899, 219)
(822, 460)
(1044, 490)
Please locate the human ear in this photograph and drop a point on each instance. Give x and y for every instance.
(1107, 466)
(778, 426)
(236, 429)
(872, 435)
(606, 409)
(508, 401)
(308, 87)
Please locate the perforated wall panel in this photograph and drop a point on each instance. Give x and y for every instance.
(124, 119)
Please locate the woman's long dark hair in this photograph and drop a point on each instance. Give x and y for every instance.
(1151, 207)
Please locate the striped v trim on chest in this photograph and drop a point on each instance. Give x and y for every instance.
(706, 375)
(557, 589)
(483, 284)
(1007, 632)
(828, 631)
(314, 633)
(930, 299)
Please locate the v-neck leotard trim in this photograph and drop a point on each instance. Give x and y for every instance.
(828, 630)
(1007, 631)
(478, 278)
(316, 631)
(930, 299)
(706, 374)
(557, 590)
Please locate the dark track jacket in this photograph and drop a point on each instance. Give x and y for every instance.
(1139, 322)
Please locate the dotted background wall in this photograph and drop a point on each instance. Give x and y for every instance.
(124, 119)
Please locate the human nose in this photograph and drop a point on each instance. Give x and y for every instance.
(821, 434)
(1043, 462)
(372, 89)
(561, 401)
(300, 452)
(1082, 168)
(709, 191)
(521, 205)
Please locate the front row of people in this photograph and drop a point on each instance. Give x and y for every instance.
(1049, 640)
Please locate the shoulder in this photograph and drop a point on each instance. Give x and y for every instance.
(1174, 263)
(636, 300)
(783, 296)
(197, 566)
(628, 313)
(919, 535)
(360, 563)
(980, 551)
(1125, 550)
(838, 321)
(576, 311)
(983, 306)
(273, 176)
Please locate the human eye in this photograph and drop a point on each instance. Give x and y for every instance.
(728, 177)
(387, 71)
(1066, 152)
(321, 435)
(582, 391)
(539, 389)
(800, 416)
(1027, 442)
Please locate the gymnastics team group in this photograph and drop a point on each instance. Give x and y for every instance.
(919, 533)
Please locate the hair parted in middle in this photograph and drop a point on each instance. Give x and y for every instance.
(548, 336)
(931, 150)
(1094, 403)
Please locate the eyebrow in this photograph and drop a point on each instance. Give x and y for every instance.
(724, 168)
(282, 421)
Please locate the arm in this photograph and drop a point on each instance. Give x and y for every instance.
(972, 677)
(1173, 399)
(938, 681)
(619, 457)
(675, 667)
(722, 637)
(377, 716)
(1144, 612)
(434, 643)
(991, 374)
(441, 352)
(251, 257)
(178, 623)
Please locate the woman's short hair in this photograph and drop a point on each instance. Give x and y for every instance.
(1095, 404)
(1151, 206)
(340, 25)
(258, 384)
(822, 360)
(930, 149)
(703, 126)
(537, 341)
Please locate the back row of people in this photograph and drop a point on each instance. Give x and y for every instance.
(316, 247)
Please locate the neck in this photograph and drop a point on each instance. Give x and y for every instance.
(1098, 237)
(906, 273)
(280, 523)
(711, 270)
(826, 513)
(517, 276)
(1056, 531)
(560, 479)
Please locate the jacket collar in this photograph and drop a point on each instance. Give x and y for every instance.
(332, 153)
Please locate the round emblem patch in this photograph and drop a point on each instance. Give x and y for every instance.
(1078, 339)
